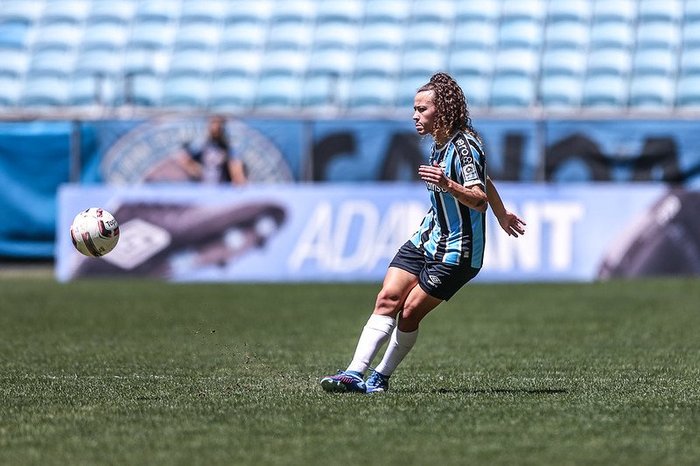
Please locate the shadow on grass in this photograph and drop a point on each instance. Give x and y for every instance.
(501, 391)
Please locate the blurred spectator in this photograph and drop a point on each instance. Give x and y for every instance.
(212, 159)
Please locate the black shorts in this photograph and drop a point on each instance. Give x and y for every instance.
(438, 279)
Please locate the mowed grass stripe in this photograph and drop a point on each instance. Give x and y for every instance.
(141, 372)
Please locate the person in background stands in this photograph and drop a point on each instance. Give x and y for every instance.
(212, 160)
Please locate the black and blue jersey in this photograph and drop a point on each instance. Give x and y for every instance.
(452, 232)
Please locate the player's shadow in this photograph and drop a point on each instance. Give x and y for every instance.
(502, 391)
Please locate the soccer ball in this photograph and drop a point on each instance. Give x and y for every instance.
(94, 232)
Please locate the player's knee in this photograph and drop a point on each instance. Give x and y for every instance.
(410, 316)
(388, 301)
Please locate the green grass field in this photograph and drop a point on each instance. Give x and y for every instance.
(149, 373)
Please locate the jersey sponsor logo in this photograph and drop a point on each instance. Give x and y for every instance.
(470, 173)
(464, 152)
(435, 188)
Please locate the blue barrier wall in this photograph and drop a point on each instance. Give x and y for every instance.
(35, 157)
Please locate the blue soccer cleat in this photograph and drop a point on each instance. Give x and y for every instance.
(377, 382)
(343, 381)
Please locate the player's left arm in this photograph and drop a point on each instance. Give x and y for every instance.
(510, 222)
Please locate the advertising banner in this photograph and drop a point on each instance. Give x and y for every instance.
(349, 232)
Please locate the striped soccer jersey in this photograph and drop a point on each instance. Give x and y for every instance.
(452, 232)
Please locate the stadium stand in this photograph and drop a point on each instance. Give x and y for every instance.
(550, 54)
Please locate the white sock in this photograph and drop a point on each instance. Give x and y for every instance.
(374, 334)
(397, 349)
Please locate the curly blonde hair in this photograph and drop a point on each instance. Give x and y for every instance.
(451, 106)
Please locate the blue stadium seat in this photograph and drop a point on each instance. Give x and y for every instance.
(243, 35)
(21, 11)
(285, 62)
(52, 62)
(688, 92)
(567, 35)
(422, 62)
(427, 34)
(520, 34)
(406, 88)
(328, 61)
(62, 35)
(624, 11)
(74, 11)
(109, 10)
(192, 62)
(691, 35)
(292, 35)
(612, 34)
(9, 91)
(691, 13)
(610, 61)
(377, 62)
(341, 11)
(197, 11)
(477, 89)
(660, 10)
(474, 35)
(152, 34)
(437, 11)
(690, 62)
(334, 35)
(558, 62)
(561, 92)
(45, 91)
(83, 91)
(105, 34)
(660, 62)
(512, 92)
(99, 61)
(235, 62)
(232, 93)
(14, 63)
(381, 35)
(569, 11)
(477, 62)
(658, 34)
(198, 34)
(322, 92)
(371, 93)
(605, 92)
(652, 92)
(91, 90)
(477, 10)
(146, 89)
(156, 11)
(303, 11)
(523, 9)
(386, 11)
(15, 34)
(278, 93)
(146, 61)
(185, 91)
(521, 62)
(245, 11)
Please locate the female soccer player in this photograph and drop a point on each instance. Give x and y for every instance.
(446, 251)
